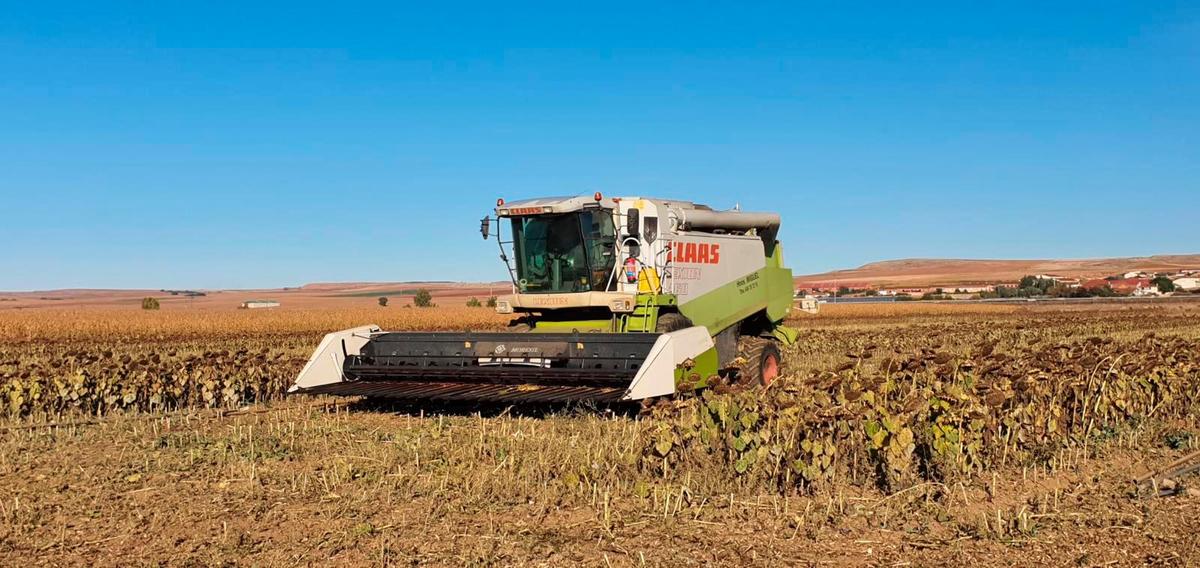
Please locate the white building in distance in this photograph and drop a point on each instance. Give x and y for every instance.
(258, 304)
(1188, 283)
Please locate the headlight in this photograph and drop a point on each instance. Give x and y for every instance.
(622, 305)
(503, 307)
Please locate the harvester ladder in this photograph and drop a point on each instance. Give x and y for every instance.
(645, 315)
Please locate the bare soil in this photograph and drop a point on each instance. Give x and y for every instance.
(292, 484)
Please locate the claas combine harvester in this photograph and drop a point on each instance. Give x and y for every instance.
(613, 299)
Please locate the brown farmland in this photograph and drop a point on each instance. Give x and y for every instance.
(346, 295)
(923, 435)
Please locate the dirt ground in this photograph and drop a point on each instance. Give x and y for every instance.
(293, 484)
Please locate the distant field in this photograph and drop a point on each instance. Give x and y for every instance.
(893, 309)
(316, 296)
(919, 272)
(378, 293)
(902, 434)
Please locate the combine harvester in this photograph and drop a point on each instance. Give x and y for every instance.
(614, 299)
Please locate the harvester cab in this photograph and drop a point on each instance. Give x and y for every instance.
(613, 298)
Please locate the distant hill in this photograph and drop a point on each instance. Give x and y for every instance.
(926, 272)
(316, 295)
(908, 273)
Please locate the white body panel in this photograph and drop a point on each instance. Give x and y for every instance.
(701, 263)
(657, 374)
(689, 263)
(656, 377)
(325, 365)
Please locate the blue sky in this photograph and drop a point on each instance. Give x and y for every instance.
(222, 145)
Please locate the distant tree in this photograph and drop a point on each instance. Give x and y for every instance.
(149, 303)
(474, 302)
(1164, 284)
(1060, 291)
(1002, 292)
(1031, 286)
(491, 301)
(423, 299)
(383, 301)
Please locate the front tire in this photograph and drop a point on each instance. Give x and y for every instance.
(761, 362)
(671, 321)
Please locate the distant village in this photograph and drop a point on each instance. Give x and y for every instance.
(1128, 284)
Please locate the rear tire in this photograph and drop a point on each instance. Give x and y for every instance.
(761, 362)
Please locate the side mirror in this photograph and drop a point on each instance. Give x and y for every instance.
(633, 223)
(485, 227)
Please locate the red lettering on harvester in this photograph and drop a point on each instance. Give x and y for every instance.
(695, 253)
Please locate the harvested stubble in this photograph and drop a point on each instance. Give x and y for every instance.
(898, 309)
(929, 438)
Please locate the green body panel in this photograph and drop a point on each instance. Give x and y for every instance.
(659, 299)
(723, 307)
(644, 317)
(705, 367)
(780, 292)
(567, 326)
(645, 313)
(786, 335)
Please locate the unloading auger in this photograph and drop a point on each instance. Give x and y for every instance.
(613, 299)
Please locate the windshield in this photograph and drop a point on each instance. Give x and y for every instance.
(572, 252)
